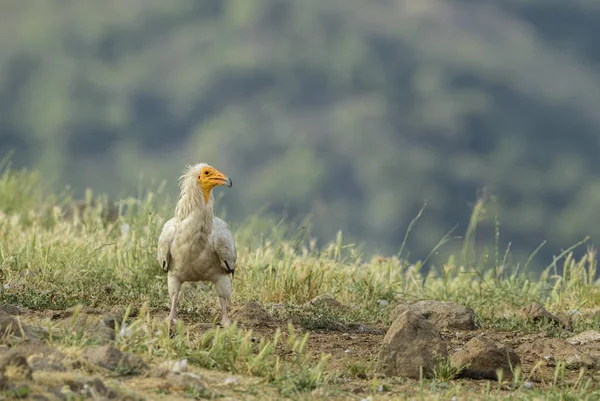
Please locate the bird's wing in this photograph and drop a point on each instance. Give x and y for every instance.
(167, 234)
(224, 245)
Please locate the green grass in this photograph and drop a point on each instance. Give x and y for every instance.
(49, 262)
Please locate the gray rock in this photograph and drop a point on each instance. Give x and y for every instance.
(486, 356)
(94, 327)
(10, 309)
(47, 363)
(187, 381)
(113, 359)
(11, 327)
(13, 365)
(586, 337)
(442, 314)
(325, 300)
(86, 385)
(411, 343)
(536, 312)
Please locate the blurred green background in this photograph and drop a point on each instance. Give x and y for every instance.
(355, 112)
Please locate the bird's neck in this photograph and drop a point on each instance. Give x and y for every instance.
(193, 202)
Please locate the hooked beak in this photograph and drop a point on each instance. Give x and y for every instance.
(222, 179)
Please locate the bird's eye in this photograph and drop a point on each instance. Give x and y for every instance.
(206, 172)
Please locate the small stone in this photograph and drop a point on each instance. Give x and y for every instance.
(232, 380)
(586, 337)
(111, 319)
(47, 363)
(113, 359)
(11, 327)
(13, 365)
(186, 381)
(125, 331)
(85, 385)
(94, 326)
(175, 366)
(325, 300)
(536, 312)
(382, 302)
(486, 356)
(159, 371)
(10, 309)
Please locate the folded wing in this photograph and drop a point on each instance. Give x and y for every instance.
(223, 244)
(167, 234)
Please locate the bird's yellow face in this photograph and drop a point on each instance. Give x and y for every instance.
(209, 178)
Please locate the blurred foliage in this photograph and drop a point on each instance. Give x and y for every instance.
(356, 112)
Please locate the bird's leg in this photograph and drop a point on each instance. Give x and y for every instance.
(174, 286)
(224, 320)
(223, 287)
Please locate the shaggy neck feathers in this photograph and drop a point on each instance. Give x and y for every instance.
(192, 199)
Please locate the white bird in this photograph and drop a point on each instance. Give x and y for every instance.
(195, 245)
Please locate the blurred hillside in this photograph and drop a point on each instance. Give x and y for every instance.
(354, 111)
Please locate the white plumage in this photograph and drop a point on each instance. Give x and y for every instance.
(195, 245)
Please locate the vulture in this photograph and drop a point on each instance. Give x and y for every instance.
(195, 245)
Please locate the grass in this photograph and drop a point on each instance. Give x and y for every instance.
(51, 262)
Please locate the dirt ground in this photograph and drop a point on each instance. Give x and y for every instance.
(57, 370)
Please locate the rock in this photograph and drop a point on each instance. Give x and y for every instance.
(85, 386)
(14, 366)
(251, 313)
(11, 327)
(30, 347)
(93, 326)
(186, 382)
(410, 343)
(175, 366)
(10, 309)
(80, 310)
(69, 385)
(553, 350)
(442, 314)
(113, 359)
(159, 371)
(325, 300)
(586, 337)
(46, 363)
(486, 356)
(536, 312)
